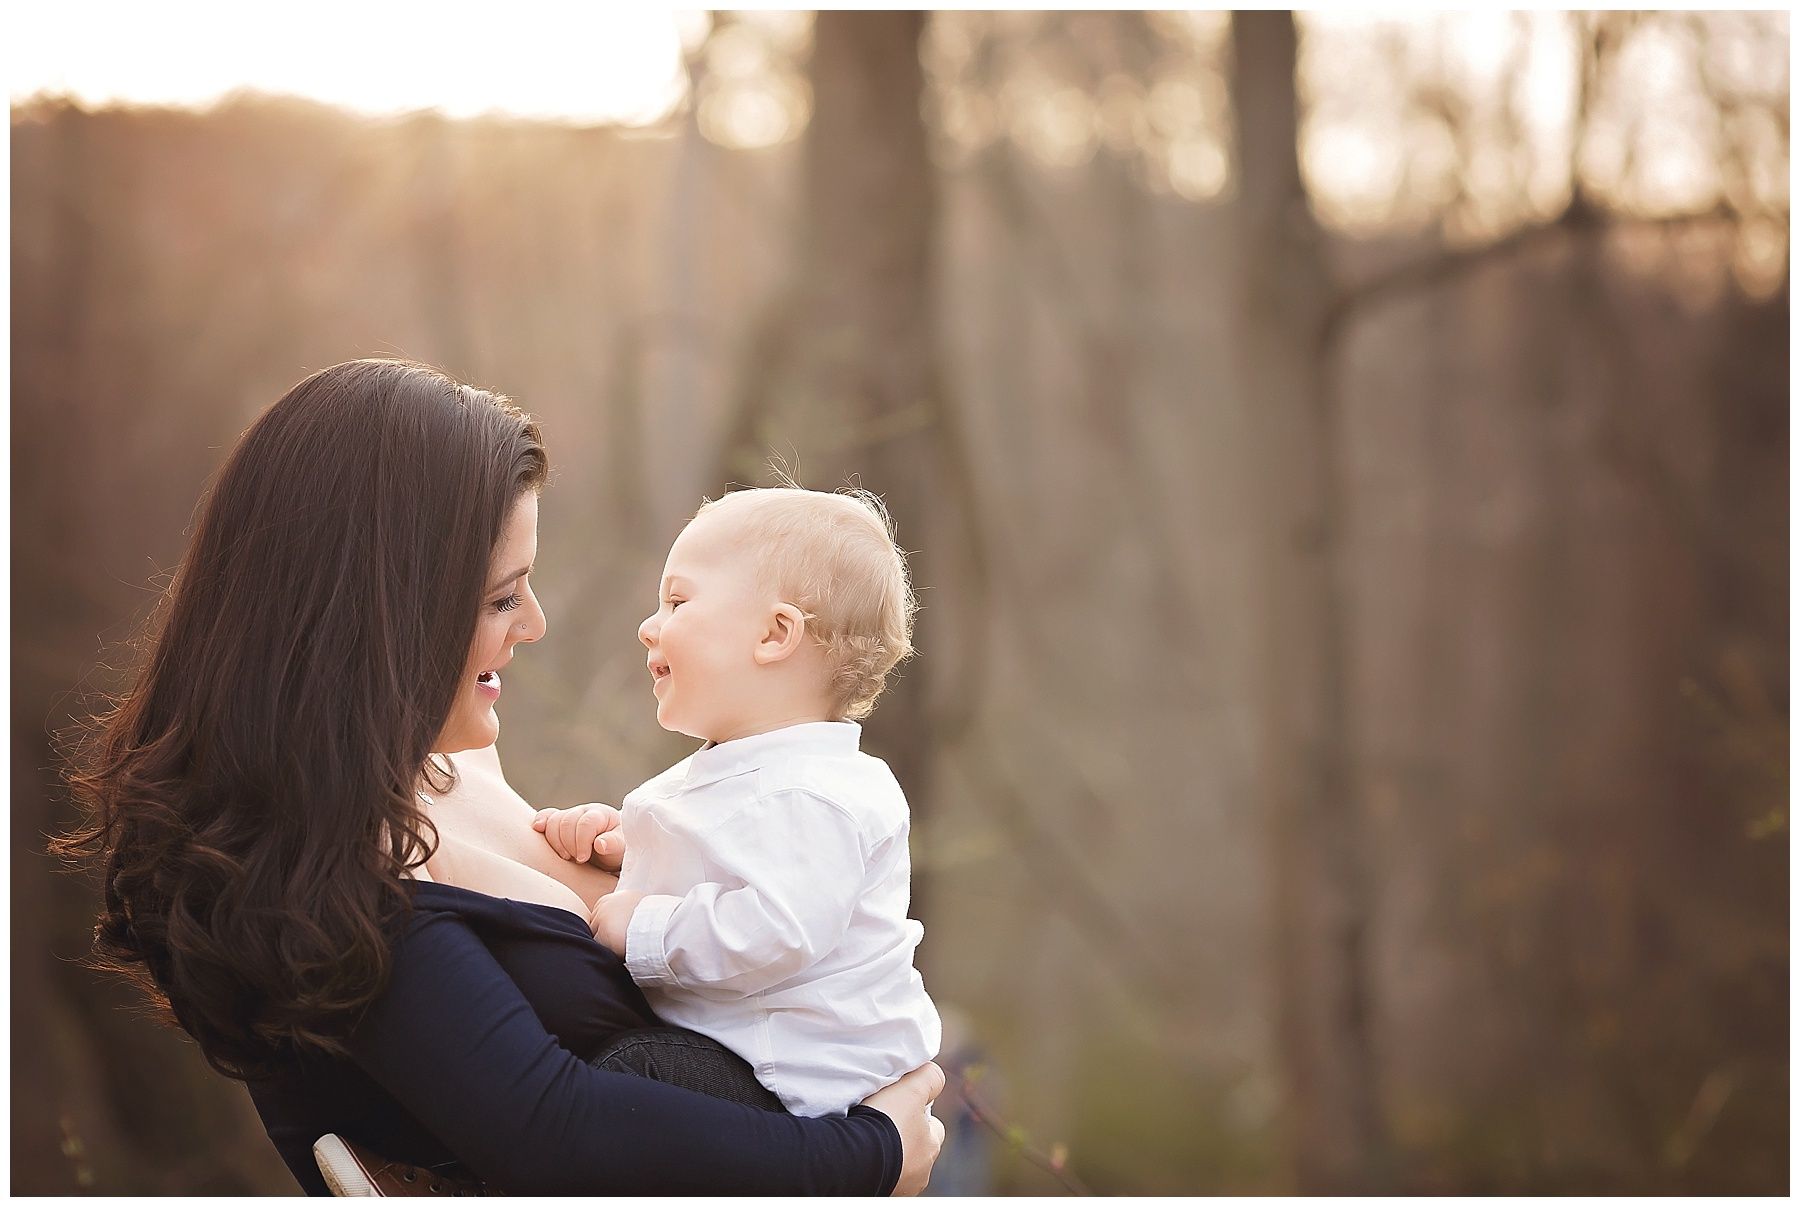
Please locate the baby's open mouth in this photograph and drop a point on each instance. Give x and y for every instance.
(659, 671)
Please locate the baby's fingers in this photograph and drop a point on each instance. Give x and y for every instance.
(558, 831)
(572, 843)
(593, 823)
(609, 851)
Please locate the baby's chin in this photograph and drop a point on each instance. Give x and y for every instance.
(700, 733)
(675, 725)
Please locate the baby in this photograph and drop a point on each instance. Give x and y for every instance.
(765, 884)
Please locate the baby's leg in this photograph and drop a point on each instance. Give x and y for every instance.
(690, 1060)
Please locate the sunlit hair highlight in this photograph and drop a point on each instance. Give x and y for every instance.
(251, 798)
(833, 556)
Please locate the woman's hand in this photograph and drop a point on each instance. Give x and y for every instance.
(908, 1103)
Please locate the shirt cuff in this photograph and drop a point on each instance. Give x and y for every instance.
(646, 957)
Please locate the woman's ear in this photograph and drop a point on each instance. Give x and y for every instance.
(786, 630)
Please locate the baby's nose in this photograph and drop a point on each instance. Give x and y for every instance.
(647, 630)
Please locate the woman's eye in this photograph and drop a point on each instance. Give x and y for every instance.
(509, 603)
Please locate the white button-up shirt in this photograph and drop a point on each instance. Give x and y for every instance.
(778, 880)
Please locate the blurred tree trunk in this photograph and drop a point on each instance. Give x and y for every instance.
(859, 394)
(102, 1101)
(664, 435)
(1122, 378)
(49, 395)
(1321, 913)
(436, 227)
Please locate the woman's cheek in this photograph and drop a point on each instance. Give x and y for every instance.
(487, 642)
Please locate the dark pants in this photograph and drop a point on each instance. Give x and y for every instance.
(687, 1059)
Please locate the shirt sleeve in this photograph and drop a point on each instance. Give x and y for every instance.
(454, 1040)
(789, 871)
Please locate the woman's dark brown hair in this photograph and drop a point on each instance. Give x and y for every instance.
(251, 799)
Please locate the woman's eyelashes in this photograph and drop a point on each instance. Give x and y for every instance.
(509, 603)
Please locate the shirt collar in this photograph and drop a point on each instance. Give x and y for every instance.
(717, 760)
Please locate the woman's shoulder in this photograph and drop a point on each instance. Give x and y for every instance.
(433, 900)
(473, 866)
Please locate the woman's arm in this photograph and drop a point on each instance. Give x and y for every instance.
(460, 1047)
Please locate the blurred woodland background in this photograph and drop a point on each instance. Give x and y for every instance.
(1348, 460)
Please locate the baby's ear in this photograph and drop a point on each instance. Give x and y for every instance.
(782, 636)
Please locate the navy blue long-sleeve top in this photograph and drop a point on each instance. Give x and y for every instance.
(475, 1053)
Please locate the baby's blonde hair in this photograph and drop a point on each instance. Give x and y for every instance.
(834, 557)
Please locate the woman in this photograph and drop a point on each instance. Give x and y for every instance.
(281, 825)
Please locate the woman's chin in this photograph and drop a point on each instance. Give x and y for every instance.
(475, 734)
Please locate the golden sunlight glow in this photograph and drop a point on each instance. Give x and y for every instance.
(1409, 117)
(1355, 166)
(747, 99)
(558, 61)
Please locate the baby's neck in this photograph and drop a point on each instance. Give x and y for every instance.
(750, 728)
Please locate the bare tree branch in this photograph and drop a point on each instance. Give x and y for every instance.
(1015, 1139)
(1439, 268)
(1602, 35)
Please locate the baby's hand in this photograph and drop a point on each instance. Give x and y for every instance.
(584, 832)
(612, 917)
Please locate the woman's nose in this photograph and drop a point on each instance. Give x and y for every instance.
(536, 623)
